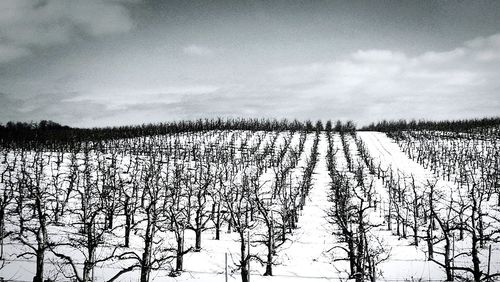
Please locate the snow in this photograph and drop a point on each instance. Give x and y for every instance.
(309, 253)
(306, 255)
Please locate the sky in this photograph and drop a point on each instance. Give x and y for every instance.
(89, 63)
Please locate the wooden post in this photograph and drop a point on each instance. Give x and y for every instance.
(272, 229)
(381, 206)
(225, 263)
(248, 255)
(489, 261)
(453, 261)
(93, 256)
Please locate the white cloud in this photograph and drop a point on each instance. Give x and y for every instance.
(485, 49)
(196, 50)
(372, 80)
(378, 56)
(25, 24)
(118, 98)
(441, 57)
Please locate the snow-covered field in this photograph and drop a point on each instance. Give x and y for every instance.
(245, 167)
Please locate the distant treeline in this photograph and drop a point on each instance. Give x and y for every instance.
(464, 125)
(49, 132)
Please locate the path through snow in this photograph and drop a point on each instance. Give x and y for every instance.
(305, 256)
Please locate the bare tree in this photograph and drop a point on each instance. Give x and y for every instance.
(7, 188)
(237, 201)
(89, 227)
(35, 236)
(205, 176)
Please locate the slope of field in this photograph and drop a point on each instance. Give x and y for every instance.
(405, 261)
(306, 255)
(310, 251)
(411, 261)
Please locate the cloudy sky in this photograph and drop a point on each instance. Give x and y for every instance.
(114, 62)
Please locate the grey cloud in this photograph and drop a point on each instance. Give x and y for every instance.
(27, 24)
(50, 106)
(123, 98)
(9, 53)
(221, 103)
(8, 107)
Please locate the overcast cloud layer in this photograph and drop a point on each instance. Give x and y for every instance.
(110, 62)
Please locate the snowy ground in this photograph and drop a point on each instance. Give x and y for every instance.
(406, 261)
(307, 256)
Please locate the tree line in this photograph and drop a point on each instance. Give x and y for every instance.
(460, 125)
(52, 135)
